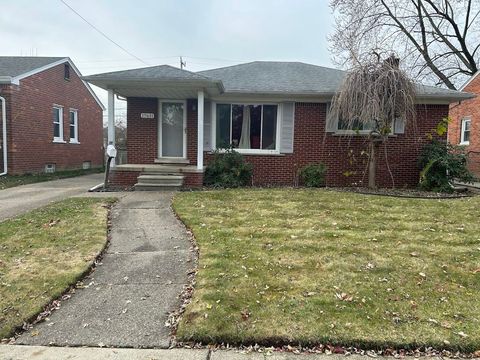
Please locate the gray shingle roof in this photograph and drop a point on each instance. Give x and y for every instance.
(17, 65)
(161, 72)
(261, 77)
(295, 78)
(277, 77)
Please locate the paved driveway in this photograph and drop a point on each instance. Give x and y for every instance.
(128, 297)
(19, 199)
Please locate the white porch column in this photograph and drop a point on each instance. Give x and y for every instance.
(111, 118)
(200, 115)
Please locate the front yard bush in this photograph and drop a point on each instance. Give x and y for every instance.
(228, 170)
(442, 163)
(313, 175)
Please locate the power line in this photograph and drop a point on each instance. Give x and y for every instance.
(103, 34)
(84, 61)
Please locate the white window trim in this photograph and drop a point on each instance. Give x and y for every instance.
(276, 151)
(462, 133)
(59, 139)
(338, 131)
(73, 140)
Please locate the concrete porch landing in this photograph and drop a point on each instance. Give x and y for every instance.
(160, 168)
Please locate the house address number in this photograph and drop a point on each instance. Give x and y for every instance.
(147, 115)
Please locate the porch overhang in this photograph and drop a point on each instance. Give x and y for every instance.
(165, 89)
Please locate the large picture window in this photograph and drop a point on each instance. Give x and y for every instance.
(249, 127)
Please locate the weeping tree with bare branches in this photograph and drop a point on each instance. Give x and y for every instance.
(374, 93)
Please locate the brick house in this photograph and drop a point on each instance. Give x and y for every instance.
(275, 113)
(465, 126)
(53, 118)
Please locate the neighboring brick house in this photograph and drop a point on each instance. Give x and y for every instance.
(465, 126)
(54, 119)
(275, 113)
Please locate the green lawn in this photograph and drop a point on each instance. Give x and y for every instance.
(9, 181)
(317, 266)
(45, 251)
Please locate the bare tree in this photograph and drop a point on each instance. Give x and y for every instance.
(373, 95)
(438, 41)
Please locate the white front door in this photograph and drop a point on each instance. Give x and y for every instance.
(172, 129)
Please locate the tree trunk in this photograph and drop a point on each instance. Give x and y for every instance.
(372, 166)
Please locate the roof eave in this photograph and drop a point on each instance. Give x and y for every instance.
(5, 79)
(426, 97)
(448, 99)
(16, 79)
(108, 83)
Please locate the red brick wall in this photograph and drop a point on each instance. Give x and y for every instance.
(193, 180)
(123, 178)
(457, 113)
(342, 155)
(30, 119)
(192, 131)
(142, 145)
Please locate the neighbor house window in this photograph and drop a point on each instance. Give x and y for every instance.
(247, 127)
(66, 72)
(465, 135)
(57, 123)
(73, 126)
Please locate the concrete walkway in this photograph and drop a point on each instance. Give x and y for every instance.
(20, 199)
(127, 299)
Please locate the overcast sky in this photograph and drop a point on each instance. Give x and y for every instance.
(207, 33)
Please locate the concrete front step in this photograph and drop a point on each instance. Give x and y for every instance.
(154, 178)
(172, 161)
(156, 187)
(159, 181)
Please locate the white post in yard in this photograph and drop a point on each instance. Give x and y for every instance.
(111, 118)
(200, 114)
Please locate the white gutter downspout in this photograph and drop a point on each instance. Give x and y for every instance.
(4, 122)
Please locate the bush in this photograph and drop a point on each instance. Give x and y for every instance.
(442, 163)
(227, 170)
(313, 175)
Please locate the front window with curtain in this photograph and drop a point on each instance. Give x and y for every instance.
(248, 127)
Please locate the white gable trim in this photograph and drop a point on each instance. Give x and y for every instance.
(469, 80)
(16, 79)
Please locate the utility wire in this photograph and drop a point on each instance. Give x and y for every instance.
(102, 33)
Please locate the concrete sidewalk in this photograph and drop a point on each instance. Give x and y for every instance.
(127, 299)
(15, 352)
(23, 198)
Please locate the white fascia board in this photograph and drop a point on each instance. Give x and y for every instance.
(87, 85)
(16, 80)
(469, 80)
(5, 79)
